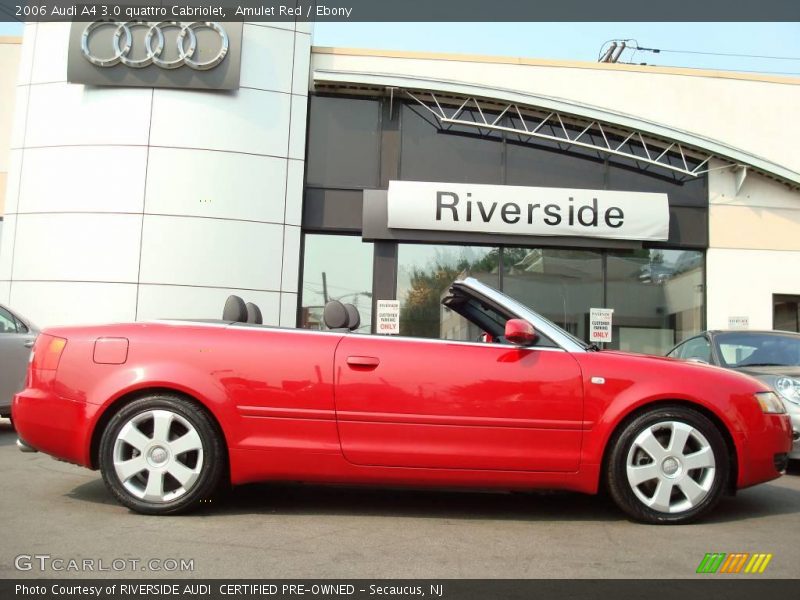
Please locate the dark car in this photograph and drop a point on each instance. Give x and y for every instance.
(770, 356)
(17, 335)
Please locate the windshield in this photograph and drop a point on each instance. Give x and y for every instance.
(758, 349)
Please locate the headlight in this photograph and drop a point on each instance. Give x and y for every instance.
(789, 389)
(770, 403)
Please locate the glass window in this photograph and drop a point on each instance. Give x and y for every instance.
(657, 297)
(336, 267)
(457, 155)
(8, 324)
(537, 166)
(561, 285)
(758, 349)
(681, 190)
(343, 143)
(424, 275)
(786, 313)
(697, 348)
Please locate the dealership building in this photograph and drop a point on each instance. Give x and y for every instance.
(291, 175)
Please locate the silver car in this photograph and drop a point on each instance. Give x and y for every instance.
(770, 356)
(17, 335)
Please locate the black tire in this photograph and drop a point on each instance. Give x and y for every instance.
(209, 462)
(622, 452)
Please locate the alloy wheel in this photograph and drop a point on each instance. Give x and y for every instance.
(671, 467)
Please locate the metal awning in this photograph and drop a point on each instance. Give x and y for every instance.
(567, 123)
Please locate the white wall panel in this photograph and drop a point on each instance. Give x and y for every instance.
(7, 247)
(79, 247)
(26, 55)
(216, 184)
(50, 60)
(281, 25)
(302, 58)
(88, 178)
(266, 62)
(211, 252)
(68, 114)
(294, 192)
(5, 287)
(291, 259)
(55, 303)
(243, 121)
(288, 310)
(297, 135)
(742, 282)
(20, 117)
(190, 302)
(12, 180)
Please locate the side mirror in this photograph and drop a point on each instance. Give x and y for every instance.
(520, 332)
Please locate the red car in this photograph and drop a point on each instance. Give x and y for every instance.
(169, 411)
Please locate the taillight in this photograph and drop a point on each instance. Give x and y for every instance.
(47, 352)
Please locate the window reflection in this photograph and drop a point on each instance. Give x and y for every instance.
(336, 267)
(657, 297)
(425, 273)
(561, 285)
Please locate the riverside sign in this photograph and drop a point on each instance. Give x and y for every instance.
(532, 211)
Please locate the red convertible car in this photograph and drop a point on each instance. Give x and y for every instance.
(170, 410)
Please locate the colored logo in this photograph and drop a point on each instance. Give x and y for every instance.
(737, 562)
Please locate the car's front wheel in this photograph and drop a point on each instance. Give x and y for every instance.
(668, 465)
(161, 455)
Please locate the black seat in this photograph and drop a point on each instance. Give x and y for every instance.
(235, 310)
(254, 314)
(335, 316)
(353, 318)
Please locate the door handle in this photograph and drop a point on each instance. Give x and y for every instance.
(369, 362)
(29, 344)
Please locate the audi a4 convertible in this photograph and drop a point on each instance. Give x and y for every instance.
(169, 411)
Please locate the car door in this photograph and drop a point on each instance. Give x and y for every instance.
(16, 340)
(405, 402)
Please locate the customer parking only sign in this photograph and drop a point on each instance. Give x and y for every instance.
(600, 319)
(388, 317)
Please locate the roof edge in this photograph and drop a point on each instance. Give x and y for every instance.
(557, 63)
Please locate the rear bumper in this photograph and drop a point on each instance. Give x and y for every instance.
(762, 449)
(53, 425)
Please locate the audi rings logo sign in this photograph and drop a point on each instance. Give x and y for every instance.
(154, 45)
(200, 54)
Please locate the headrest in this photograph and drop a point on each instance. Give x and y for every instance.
(235, 310)
(254, 314)
(335, 315)
(353, 318)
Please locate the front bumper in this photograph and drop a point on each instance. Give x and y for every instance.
(762, 449)
(794, 453)
(53, 425)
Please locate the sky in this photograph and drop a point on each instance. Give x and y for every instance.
(577, 41)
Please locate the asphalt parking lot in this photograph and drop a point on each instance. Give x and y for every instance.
(297, 531)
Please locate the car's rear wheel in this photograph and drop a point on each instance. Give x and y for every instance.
(161, 455)
(668, 465)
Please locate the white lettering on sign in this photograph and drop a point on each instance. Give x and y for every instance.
(516, 210)
(738, 322)
(388, 317)
(600, 324)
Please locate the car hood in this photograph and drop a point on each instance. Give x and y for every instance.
(766, 373)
